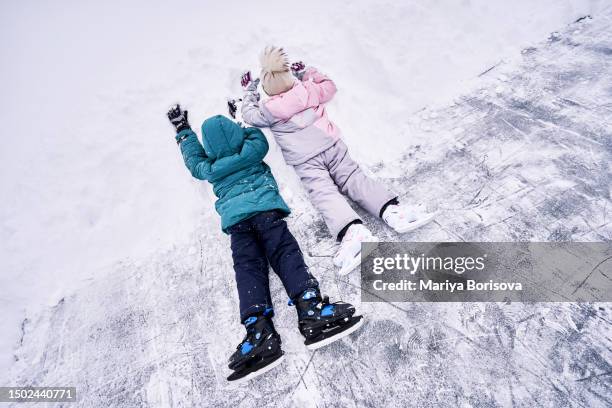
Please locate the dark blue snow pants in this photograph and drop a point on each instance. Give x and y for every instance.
(257, 242)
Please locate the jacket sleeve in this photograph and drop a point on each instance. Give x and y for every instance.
(194, 155)
(325, 87)
(251, 112)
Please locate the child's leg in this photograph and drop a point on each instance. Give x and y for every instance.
(283, 253)
(324, 195)
(251, 267)
(370, 194)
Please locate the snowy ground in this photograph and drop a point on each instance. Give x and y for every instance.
(524, 155)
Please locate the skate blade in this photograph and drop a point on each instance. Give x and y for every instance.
(257, 373)
(329, 340)
(418, 224)
(356, 261)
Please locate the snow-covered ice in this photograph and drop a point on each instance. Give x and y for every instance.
(115, 276)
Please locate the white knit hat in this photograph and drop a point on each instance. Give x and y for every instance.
(276, 77)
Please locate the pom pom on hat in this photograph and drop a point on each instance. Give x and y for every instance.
(276, 76)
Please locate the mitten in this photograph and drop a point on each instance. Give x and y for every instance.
(248, 83)
(298, 68)
(178, 118)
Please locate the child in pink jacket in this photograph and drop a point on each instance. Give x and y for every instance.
(311, 143)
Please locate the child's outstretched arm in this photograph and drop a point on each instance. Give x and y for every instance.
(251, 112)
(194, 155)
(325, 86)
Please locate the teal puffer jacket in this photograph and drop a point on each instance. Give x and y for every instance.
(232, 160)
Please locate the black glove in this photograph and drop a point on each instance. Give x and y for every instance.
(178, 118)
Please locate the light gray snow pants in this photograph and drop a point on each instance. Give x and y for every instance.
(332, 173)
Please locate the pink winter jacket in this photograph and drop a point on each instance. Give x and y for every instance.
(297, 117)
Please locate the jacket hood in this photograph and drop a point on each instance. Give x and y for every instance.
(221, 137)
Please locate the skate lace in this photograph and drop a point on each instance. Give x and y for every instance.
(315, 305)
(323, 302)
(391, 213)
(353, 233)
(248, 337)
(356, 232)
(346, 243)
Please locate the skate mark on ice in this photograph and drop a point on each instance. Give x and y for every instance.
(301, 380)
(591, 273)
(595, 376)
(516, 355)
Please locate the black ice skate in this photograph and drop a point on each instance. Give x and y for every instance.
(258, 353)
(321, 322)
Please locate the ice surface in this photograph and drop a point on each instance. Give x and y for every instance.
(524, 154)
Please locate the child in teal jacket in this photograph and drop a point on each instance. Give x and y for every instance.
(232, 160)
(252, 212)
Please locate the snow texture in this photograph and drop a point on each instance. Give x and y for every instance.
(90, 173)
(524, 156)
